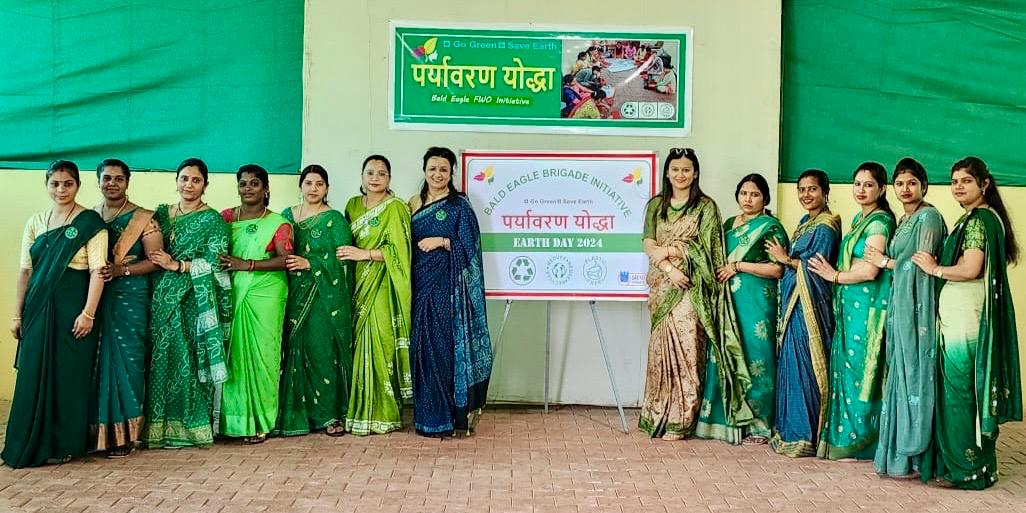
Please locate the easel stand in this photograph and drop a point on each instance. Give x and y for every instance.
(548, 328)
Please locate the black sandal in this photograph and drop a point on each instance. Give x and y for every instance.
(336, 430)
(120, 452)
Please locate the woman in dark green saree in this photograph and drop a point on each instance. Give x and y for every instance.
(119, 389)
(57, 295)
(978, 356)
(317, 366)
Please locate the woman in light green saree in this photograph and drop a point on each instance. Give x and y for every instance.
(861, 292)
(980, 386)
(381, 359)
(190, 317)
(751, 276)
(261, 240)
(318, 362)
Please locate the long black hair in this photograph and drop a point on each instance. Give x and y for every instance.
(761, 184)
(113, 163)
(447, 154)
(978, 169)
(694, 193)
(319, 170)
(822, 180)
(260, 174)
(383, 160)
(879, 174)
(913, 167)
(193, 162)
(63, 165)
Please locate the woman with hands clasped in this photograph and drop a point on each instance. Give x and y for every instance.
(861, 292)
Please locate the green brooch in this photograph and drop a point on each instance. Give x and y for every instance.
(441, 215)
(251, 228)
(374, 221)
(71, 232)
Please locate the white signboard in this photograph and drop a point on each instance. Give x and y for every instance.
(561, 225)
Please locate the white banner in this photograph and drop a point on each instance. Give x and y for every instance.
(561, 225)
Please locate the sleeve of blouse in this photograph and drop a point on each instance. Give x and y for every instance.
(283, 234)
(651, 211)
(28, 237)
(975, 235)
(96, 250)
(227, 214)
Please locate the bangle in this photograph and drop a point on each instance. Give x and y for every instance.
(180, 265)
(736, 268)
(88, 316)
(252, 264)
(837, 274)
(884, 262)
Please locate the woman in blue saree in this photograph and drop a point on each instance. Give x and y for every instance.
(806, 322)
(450, 350)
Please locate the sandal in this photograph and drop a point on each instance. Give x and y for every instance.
(58, 461)
(335, 429)
(755, 440)
(120, 452)
(253, 440)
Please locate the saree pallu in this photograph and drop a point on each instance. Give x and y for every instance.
(451, 350)
(123, 320)
(190, 318)
(856, 353)
(806, 326)
(50, 409)
(317, 364)
(688, 325)
(249, 399)
(381, 359)
(979, 385)
(906, 415)
(755, 306)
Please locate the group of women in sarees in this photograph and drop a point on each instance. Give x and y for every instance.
(171, 327)
(894, 342)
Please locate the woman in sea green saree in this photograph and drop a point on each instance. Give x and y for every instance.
(692, 318)
(751, 277)
(861, 291)
(120, 381)
(906, 417)
(317, 368)
(382, 251)
(190, 317)
(260, 241)
(978, 355)
(56, 300)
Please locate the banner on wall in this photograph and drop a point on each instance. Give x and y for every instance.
(561, 226)
(613, 81)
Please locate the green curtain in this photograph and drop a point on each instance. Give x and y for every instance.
(152, 82)
(935, 80)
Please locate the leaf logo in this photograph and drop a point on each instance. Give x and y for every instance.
(633, 177)
(426, 50)
(486, 175)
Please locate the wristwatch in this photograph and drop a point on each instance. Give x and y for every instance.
(884, 262)
(128, 272)
(938, 272)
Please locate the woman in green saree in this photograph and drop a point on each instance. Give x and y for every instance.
(751, 277)
(692, 319)
(978, 355)
(318, 361)
(382, 252)
(120, 382)
(56, 298)
(260, 241)
(906, 417)
(190, 317)
(861, 291)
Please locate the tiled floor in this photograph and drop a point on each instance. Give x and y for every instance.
(520, 460)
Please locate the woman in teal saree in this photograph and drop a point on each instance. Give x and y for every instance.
(906, 417)
(317, 366)
(382, 251)
(978, 356)
(751, 277)
(260, 241)
(190, 317)
(56, 300)
(861, 291)
(124, 315)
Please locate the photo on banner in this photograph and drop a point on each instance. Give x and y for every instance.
(542, 80)
(561, 225)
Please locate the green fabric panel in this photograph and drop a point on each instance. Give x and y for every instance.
(935, 80)
(152, 83)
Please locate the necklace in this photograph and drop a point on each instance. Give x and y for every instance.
(182, 212)
(103, 210)
(174, 219)
(50, 217)
(237, 214)
(302, 208)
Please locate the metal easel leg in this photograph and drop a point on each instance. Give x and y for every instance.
(609, 366)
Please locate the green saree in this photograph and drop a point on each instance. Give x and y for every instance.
(381, 357)
(249, 399)
(49, 416)
(856, 353)
(755, 306)
(190, 321)
(318, 360)
(978, 359)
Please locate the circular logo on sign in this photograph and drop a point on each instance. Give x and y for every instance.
(71, 232)
(441, 215)
(559, 270)
(594, 270)
(522, 270)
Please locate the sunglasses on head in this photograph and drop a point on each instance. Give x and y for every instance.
(681, 151)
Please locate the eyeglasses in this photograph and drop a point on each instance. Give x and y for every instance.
(681, 151)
